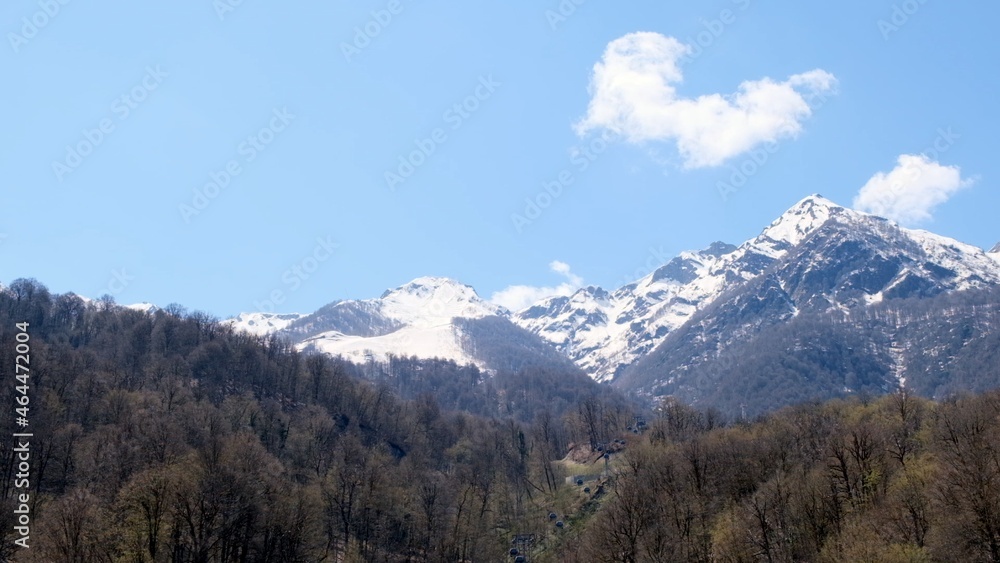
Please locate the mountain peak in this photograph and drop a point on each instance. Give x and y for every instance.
(434, 282)
(802, 219)
(816, 199)
(427, 285)
(435, 300)
(718, 249)
(815, 206)
(996, 249)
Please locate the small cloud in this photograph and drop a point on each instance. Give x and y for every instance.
(911, 192)
(518, 297)
(563, 269)
(633, 94)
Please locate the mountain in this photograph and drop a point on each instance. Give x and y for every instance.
(816, 255)
(412, 320)
(604, 331)
(427, 318)
(677, 330)
(995, 253)
(935, 347)
(824, 263)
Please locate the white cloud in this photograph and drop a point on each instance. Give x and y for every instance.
(911, 191)
(518, 297)
(633, 94)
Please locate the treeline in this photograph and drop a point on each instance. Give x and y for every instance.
(898, 479)
(170, 437)
(520, 395)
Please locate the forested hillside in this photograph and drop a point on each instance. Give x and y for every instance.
(168, 437)
(895, 480)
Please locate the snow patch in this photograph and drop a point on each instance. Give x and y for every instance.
(427, 342)
(898, 355)
(144, 307)
(262, 324)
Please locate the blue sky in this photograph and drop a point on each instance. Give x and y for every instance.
(302, 112)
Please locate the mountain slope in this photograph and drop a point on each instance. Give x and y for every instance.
(682, 323)
(843, 264)
(415, 319)
(261, 324)
(603, 332)
(428, 318)
(935, 347)
(866, 259)
(606, 332)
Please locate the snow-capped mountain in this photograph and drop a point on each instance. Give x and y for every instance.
(817, 256)
(843, 265)
(606, 332)
(427, 318)
(603, 332)
(413, 320)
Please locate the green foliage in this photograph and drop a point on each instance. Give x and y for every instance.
(899, 479)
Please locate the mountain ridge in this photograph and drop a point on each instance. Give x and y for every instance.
(849, 264)
(816, 256)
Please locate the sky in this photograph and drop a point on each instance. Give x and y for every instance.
(240, 155)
